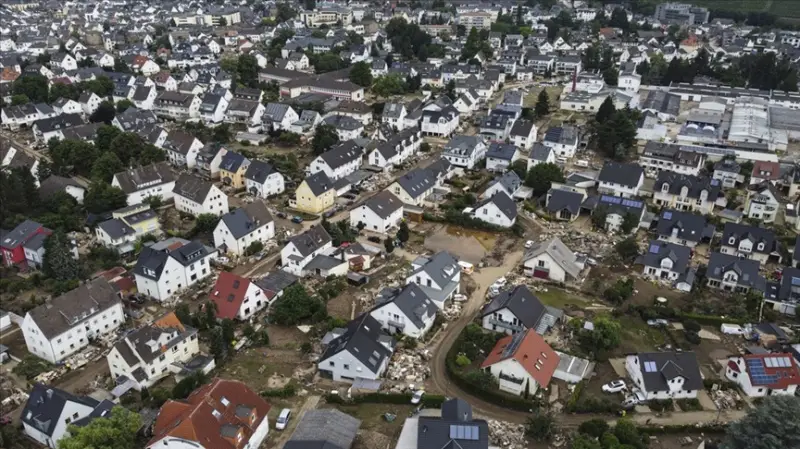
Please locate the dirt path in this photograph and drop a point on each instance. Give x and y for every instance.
(309, 404)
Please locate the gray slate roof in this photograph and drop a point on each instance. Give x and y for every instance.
(558, 251)
(311, 240)
(45, 405)
(411, 300)
(670, 365)
(192, 188)
(746, 270)
(756, 235)
(330, 426)
(62, 313)
(658, 251)
(504, 151)
(509, 180)
(626, 174)
(136, 179)
(384, 204)
(319, 183)
(417, 181)
(528, 309)
(344, 153)
(691, 227)
(361, 339)
(540, 152)
(503, 202)
(259, 171)
(564, 199)
(247, 219)
(440, 433)
(695, 185)
(442, 267)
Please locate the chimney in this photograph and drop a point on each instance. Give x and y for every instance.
(49, 393)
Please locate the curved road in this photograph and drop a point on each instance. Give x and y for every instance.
(440, 382)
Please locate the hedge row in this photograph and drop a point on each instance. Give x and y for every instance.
(286, 392)
(579, 404)
(723, 384)
(711, 320)
(683, 428)
(428, 400)
(491, 396)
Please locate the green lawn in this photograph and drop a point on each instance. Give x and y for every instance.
(637, 336)
(556, 297)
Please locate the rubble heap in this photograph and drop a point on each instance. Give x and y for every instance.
(452, 311)
(410, 366)
(507, 435)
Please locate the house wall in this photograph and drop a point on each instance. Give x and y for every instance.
(545, 261)
(273, 185)
(306, 201)
(68, 414)
(222, 236)
(138, 197)
(746, 251)
(373, 222)
(619, 190)
(511, 367)
(383, 314)
(343, 366)
(633, 368)
(506, 316)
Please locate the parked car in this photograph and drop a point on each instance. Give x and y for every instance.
(330, 213)
(417, 397)
(529, 244)
(660, 322)
(635, 398)
(281, 214)
(615, 386)
(297, 219)
(283, 419)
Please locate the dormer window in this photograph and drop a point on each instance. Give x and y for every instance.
(761, 246)
(665, 187)
(732, 240)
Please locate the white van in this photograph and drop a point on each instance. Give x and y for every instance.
(582, 163)
(283, 419)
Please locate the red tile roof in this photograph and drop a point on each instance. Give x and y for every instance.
(766, 170)
(214, 416)
(781, 377)
(228, 294)
(533, 353)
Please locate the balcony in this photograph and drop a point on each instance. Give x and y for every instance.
(506, 325)
(396, 324)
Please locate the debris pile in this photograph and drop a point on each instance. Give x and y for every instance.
(725, 399)
(452, 311)
(507, 435)
(410, 366)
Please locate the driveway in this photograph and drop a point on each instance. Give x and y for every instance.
(619, 367)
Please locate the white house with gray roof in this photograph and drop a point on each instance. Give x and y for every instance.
(359, 351)
(65, 325)
(301, 249)
(669, 263)
(523, 134)
(497, 210)
(563, 140)
(500, 156)
(540, 154)
(465, 151)
(551, 260)
(279, 116)
(439, 276)
(166, 268)
(154, 180)
(621, 179)
(414, 187)
(49, 411)
(239, 229)
(380, 213)
(339, 161)
(517, 310)
(197, 196)
(731, 273)
(262, 180)
(406, 310)
(508, 183)
(396, 149)
(394, 115)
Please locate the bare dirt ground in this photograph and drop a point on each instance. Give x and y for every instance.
(465, 244)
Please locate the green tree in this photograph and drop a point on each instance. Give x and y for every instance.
(542, 107)
(247, 70)
(605, 111)
(388, 85)
(121, 66)
(115, 431)
(102, 197)
(628, 249)
(327, 62)
(32, 86)
(403, 233)
(254, 248)
(105, 113)
(540, 426)
(123, 105)
(17, 100)
(361, 74)
(205, 223)
(128, 147)
(285, 13)
(594, 427)
(295, 306)
(59, 264)
(324, 137)
(599, 216)
(222, 22)
(629, 223)
(772, 424)
(611, 76)
(388, 245)
(520, 167)
(605, 336)
(619, 19)
(626, 432)
(541, 177)
(105, 135)
(581, 441)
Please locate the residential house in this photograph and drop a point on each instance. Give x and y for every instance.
(465, 151)
(551, 260)
(750, 242)
(339, 161)
(55, 184)
(279, 116)
(45, 130)
(394, 115)
(89, 102)
(621, 212)
(522, 363)
(70, 322)
(212, 108)
(765, 171)
(196, 196)
(237, 298)
(729, 173)
(324, 428)
(164, 269)
(219, 414)
(232, 168)
(508, 183)
(406, 310)
(49, 412)
(497, 210)
(380, 213)
(414, 187)
(153, 352)
(523, 135)
(442, 123)
(565, 204)
(668, 262)
(684, 228)
(315, 194)
(665, 375)
(396, 149)
(154, 180)
(127, 226)
(733, 274)
(439, 276)
(13, 245)
(563, 140)
(245, 112)
(540, 154)
(455, 428)
(658, 157)
(621, 179)
(301, 249)
(239, 229)
(262, 180)
(359, 351)
(686, 192)
(767, 374)
(182, 149)
(177, 106)
(517, 310)
(209, 159)
(347, 128)
(500, 156)
(763, 202)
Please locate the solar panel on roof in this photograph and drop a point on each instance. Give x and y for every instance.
(512, 346)
(668, 215)
(655, 248)
(795, 281)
